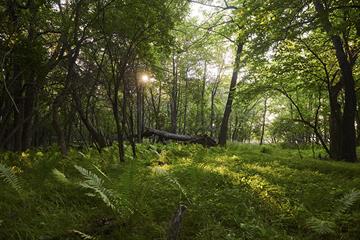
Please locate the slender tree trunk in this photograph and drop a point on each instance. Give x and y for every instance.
(119, 131)
(174, 96)
(123, 119)
(19, 102)
(18, 123)
(263, 122)
(228, 106)
(235, 134)
(156, 107)
(212, 105)
(159, 124)
(139, 112)
(142, 123)
(131, 129)
(212, 115)
(335, 128)
(358, 127)
(69, 127)
(29, 102)
(202, 103)
(59, 130)
(186, 97)
(95, 134)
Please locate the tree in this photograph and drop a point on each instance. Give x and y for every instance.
(300, 20)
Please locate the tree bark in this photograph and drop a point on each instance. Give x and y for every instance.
(186, 98)
(335, 128)
(174, 96)
(263, 122)
(228, 106)
(96, 135)
(348, 145)
(163, 135)
(202, 102)
(212, 102)
(212, 115)
(57, 127)
(139, 110)
(119, 132)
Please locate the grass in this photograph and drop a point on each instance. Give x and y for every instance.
(241, 192)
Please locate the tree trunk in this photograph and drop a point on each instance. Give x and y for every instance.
(29, 102)
(186, 92)
(95, 134)
(228, 106)
(163, 135)
(358, 127)
(174, 94)
(348, 145)
(335, 128)
(19, 111)
(263, 122)
(119, 132)
(235, 132)
(128, 125)
(202, 102)
(59, 130)
(156, 106)
(139, 110)
(212, 115)
(18, 123)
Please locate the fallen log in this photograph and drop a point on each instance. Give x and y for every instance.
(164, 135)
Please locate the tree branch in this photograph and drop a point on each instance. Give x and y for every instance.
(226, 7)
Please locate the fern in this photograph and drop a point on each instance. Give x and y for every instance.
(172, 180)
(101, 172)
(347, 201)
(60, 177)
(83, 235)
(96, 184)
(321, 227)
(324, 227)
(9, 177)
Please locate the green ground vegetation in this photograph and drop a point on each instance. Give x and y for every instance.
(238, 192)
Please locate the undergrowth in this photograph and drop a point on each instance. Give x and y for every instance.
(240, 192)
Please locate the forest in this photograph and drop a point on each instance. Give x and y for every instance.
(179, 119)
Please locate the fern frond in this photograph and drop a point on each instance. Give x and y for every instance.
(321, 227)
(101, 172)
(9, 177)
(96, 184)
(347, 201)
(159, 171)
(172, 180)
(83, 235)
(60, 177)
(175, 182)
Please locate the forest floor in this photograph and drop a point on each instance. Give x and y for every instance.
(240, 192)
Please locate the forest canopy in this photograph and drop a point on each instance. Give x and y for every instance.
(94, 72)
